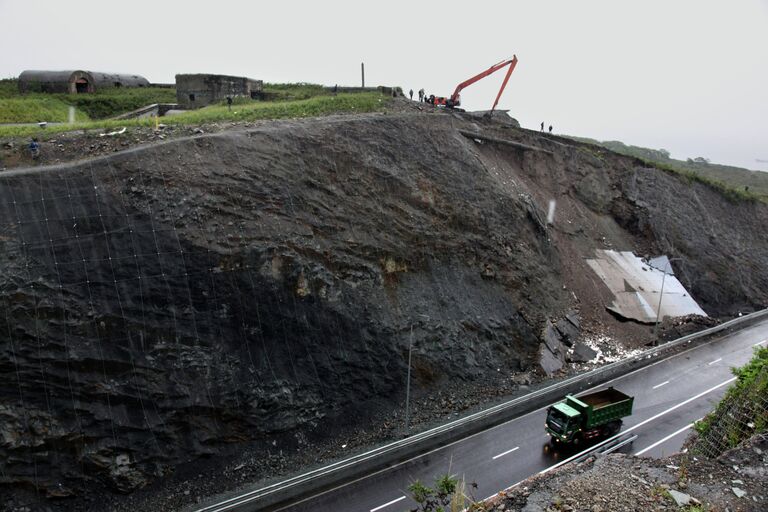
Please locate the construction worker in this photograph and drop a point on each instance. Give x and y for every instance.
(410, 93)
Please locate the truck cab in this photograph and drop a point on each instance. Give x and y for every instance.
(589, 416)
(562, 422)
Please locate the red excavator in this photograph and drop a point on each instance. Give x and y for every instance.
(455, 99)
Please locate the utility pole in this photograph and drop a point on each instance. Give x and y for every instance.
(408, 385)
(362, 71)
(661, 295)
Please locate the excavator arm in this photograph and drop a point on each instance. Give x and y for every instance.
(455, 101)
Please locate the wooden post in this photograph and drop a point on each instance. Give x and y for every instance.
(362, 71)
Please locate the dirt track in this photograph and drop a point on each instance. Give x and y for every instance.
(257, 288)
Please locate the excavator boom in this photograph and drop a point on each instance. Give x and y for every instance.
(455, 100)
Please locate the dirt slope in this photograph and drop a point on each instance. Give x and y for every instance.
(263, 286)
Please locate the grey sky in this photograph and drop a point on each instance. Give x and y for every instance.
(688, 76)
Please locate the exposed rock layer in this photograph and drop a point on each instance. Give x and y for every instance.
(166, 301)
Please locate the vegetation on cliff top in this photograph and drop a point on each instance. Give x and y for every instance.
(250, 111)
(735, 183)
(54, 108)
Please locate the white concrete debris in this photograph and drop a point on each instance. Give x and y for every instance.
(637, 286)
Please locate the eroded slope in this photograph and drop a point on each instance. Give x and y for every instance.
(166, 302)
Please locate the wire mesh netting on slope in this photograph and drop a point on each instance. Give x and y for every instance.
(742, 413)
(254, 292)
(167, 301)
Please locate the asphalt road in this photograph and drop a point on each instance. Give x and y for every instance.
(669, 396)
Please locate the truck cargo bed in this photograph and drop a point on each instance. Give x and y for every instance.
(604, 397)
(602, 407)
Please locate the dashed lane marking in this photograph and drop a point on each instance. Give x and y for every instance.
(504, 453)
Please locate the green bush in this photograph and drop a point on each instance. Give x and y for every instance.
(112, 102)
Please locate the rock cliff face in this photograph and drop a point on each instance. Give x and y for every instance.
(167, 301)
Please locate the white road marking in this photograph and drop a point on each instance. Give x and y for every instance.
(401, 498)
(657, 443)
(715, 361)
(253, 495)
(506, 452)
(662, 384)
(634, 427)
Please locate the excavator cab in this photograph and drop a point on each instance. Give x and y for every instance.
(441, 101)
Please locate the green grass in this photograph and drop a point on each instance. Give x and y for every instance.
(251, 111)
(256, 110)
(28, 110)
(34, 107)
(290, 92)
(112, 102)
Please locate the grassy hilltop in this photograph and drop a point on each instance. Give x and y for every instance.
(93, 111)
(744, 182)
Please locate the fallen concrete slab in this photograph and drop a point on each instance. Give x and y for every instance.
(637, 288)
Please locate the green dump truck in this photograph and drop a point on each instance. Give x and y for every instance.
(598, 414)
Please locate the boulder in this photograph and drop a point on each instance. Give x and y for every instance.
(550, 362)
(569, 332)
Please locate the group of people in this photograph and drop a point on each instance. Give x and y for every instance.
(422, 95)
(423, 98)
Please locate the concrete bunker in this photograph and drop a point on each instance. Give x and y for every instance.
(75, 81)
(199, 90)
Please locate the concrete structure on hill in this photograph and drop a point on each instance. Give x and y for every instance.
(199, 90)
(76, 81)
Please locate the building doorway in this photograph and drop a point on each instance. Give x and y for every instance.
(81, 85)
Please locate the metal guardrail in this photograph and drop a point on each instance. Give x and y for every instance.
(325, 477)
(603, 448)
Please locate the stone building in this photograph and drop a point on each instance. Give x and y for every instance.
(76, 81)
(199, 90)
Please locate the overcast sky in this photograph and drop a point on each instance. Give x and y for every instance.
(690, 76)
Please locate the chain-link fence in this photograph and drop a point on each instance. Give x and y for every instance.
(742, 413)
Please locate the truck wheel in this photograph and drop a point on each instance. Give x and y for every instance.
(613, 428)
